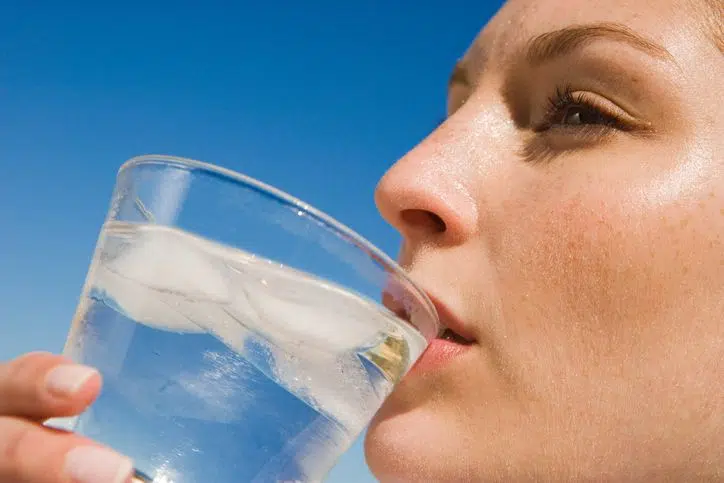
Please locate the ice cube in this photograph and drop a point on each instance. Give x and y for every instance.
(163, 280)
(168, 279)
(294, 309)
(171, 280)
(336, 386)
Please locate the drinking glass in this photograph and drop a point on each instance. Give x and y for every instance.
(242, 334)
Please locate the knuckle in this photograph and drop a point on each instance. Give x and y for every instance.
(14, 437)
(34, 355)
(32, 361)
(26, 369)
(21, 380)
(29, 359)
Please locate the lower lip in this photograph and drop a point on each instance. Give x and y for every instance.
(439, 353)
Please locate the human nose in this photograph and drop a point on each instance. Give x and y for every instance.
(427, 194)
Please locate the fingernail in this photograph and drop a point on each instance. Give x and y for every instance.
(90, 464)
(67, 379)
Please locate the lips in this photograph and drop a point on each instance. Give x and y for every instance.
(454, 337)
(452, 328)
(453, 341)
(451, 336)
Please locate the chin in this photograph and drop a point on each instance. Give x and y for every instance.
(417, 445)
(426, 430)
(457, 424)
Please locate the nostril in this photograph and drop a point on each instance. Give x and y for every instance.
(423, 220)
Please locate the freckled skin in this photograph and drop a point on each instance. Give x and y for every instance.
(593, 281)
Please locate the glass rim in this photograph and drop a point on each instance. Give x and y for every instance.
(285, 197)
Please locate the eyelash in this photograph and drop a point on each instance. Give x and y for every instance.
(564, 99)
(552, 137)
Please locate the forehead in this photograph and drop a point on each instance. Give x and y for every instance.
(521, 20)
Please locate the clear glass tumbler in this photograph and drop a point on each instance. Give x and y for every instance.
(242, 334)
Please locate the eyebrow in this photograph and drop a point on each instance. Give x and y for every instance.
(551, 45)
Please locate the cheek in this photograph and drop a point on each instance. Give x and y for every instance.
(579, 256)
(602, 272)
(592, 258)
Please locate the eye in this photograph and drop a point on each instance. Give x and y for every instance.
(569, 110)
(578, 115)
(577, 120)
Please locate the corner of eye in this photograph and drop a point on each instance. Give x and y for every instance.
(643, 128)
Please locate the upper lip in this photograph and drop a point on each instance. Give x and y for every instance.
(448, 320)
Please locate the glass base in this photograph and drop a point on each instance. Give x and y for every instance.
(139, 477)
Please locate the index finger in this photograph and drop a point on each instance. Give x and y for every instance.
(30, 453)
(42, 385)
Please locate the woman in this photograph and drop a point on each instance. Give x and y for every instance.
(569, 219)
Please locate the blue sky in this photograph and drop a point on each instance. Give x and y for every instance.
(293, 93)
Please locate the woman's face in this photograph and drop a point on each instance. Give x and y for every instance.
(569, 215)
